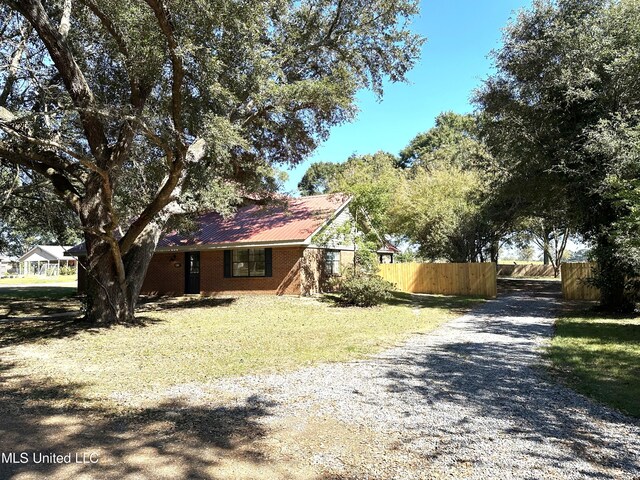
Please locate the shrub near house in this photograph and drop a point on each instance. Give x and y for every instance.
(364, 290)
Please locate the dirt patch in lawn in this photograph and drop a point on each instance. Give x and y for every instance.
(231, 438)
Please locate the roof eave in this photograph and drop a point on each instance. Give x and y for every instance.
(219, 246)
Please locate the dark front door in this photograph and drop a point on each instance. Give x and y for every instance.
(192, 272)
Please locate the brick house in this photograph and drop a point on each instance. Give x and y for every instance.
(270, 249)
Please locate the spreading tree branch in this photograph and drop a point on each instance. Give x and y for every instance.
(73, 78)
(166, 26)
(13, 67)
(167, 193)
(51, 167)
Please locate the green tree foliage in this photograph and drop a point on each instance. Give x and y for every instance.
(562, 119)
(526, 253)
(317, 178)
(437, 210)
(447, 205)
(373, 181)
(31, 214)
(436, 195)
(452, 141)
(548, 234)
(135, 111)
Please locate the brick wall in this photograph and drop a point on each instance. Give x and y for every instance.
(312, 271)
(313, 276)
(165, 274)
(162, 275)
(295, 270)
(285, 279)
(165, 278)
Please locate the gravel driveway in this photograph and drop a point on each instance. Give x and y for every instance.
(470, 400)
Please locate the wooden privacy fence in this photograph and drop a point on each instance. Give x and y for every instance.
(477, 279)
(526, 270)
(573, 285)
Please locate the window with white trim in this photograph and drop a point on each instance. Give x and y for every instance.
(332, 262)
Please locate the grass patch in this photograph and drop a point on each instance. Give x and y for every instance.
(36, 280)
(238, 336)
(37, 300)
(600, 357)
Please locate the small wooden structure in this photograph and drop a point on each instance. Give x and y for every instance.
(473, 279)
(45, 260)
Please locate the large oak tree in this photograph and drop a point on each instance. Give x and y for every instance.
(137, 110)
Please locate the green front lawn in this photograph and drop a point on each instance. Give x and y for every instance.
(37, 300)
(600, 357)
(232, 336)
(38, 280)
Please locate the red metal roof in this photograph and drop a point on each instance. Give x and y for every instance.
(388, 247)
(293, 220)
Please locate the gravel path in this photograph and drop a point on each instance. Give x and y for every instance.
(470, 400)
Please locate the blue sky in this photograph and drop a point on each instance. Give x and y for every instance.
(460, 34)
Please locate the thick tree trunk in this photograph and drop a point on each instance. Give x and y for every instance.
(116, 267)
(137, 260)
(545, 252)
(108, 301)
(495, 251)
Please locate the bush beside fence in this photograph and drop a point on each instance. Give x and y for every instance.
(474, 279)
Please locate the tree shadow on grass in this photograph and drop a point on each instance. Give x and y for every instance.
(39, 300)
(600, 357)
(603, 331)
(16, 331)
(159, 303)
(170, 440)
(37, 292)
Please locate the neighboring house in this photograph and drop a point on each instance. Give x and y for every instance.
(45, 260)
(260, 249)
(8, 266)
